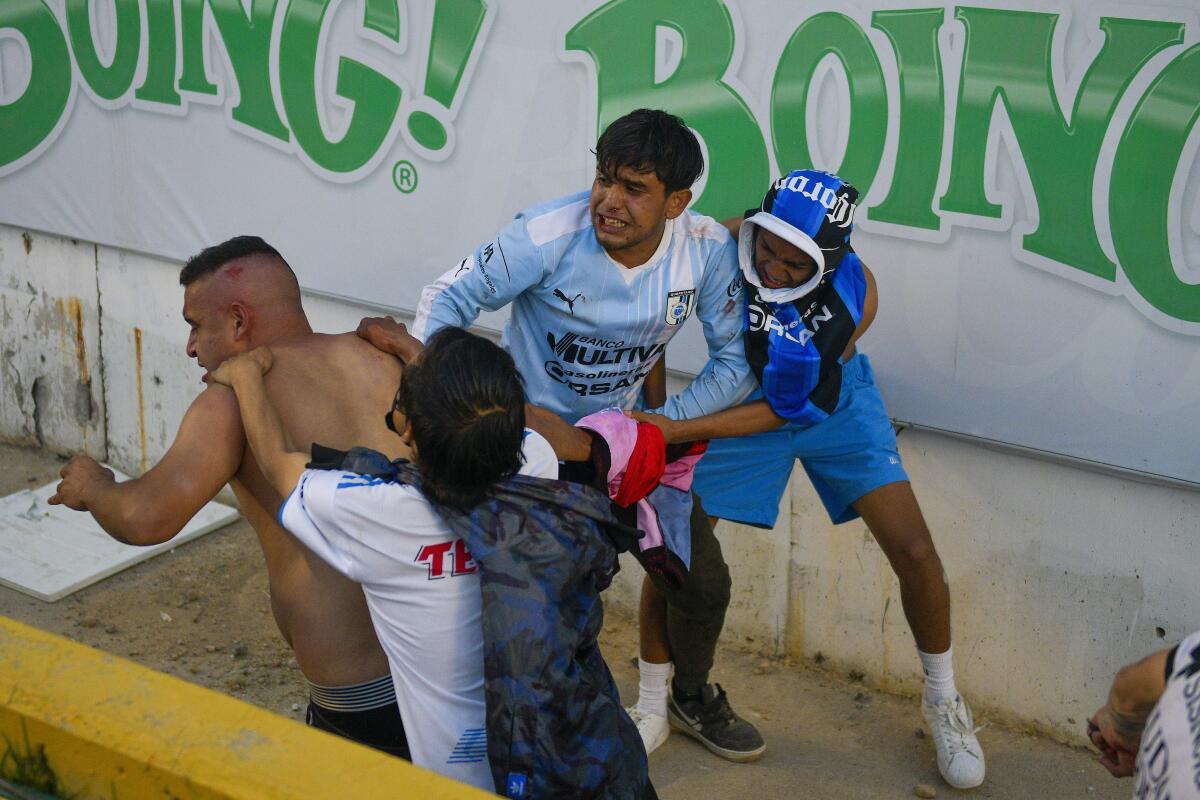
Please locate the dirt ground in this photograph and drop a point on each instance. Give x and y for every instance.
(201, 613)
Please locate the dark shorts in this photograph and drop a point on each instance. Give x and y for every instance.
(380, 728)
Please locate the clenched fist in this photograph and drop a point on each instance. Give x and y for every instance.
(80, 477)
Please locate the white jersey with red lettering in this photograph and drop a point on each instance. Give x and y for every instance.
(423, 593)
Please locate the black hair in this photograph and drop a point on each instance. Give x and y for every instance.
(211, 259)
(466, 403)
(649, 140)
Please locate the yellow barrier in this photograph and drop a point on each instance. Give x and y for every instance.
(114, 729)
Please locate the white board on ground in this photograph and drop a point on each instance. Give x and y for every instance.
(50, 551)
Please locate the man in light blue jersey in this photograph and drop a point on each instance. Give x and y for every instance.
(599, 282)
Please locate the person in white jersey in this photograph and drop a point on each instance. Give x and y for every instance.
(1150, 726)
(599, 282)
(420, 582)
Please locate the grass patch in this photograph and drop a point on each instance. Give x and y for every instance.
(26, 772)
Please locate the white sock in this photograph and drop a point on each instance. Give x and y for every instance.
(652, 687)
(939, 676)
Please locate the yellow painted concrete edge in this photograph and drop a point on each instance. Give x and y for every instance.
(114, 729)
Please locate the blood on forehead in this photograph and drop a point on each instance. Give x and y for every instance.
(233, 271)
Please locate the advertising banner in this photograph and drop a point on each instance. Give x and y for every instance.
(1030, 187)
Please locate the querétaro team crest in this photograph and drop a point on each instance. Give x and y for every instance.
(679, 305)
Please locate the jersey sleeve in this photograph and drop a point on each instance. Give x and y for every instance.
(540, 458)
(310, 513)
(726, 378)
(488, 279)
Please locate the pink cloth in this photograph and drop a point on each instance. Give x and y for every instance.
(627, 439)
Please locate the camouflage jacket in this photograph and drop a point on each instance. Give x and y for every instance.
(555, 723)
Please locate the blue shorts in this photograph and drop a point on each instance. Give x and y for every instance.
(851, 453)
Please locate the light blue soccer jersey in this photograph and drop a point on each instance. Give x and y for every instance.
(584, 330)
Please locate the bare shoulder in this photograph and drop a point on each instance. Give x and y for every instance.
(213, 420)
(351, 345)
(216, 402)
(330, 361)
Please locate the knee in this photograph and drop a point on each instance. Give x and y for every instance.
(717, 594)
(707, 589)
(917, 556)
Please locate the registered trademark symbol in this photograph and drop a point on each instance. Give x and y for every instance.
(404, 175)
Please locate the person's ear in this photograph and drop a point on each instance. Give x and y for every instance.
(406, 435)
(677, 202)
(241, 321)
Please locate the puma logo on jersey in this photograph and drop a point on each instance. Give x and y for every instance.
(570, 301)
(463, 266)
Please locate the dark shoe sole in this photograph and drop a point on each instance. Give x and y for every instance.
(737, 756)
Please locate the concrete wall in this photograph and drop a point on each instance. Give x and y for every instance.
(1058, 575)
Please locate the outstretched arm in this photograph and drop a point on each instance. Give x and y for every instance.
(740, 420)
(264, 431)
(205, 455)
(488, 279)
(757, 416)
(726, 379)
(569, 443)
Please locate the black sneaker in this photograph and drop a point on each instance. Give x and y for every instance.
(710, 720)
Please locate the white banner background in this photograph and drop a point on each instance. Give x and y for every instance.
(971, 337)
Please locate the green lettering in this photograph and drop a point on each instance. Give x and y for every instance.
(375, 98)
(247, 42)
(818, 36)
(921, 110)
(1007, 58)
(113, 81)
(383, 17)
(28, 120)
(620, 38)
(159, 85)
(456, 24)
(193, 78)
(1144, 170)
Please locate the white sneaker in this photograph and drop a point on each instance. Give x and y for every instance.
(959, 756)
(653, 728)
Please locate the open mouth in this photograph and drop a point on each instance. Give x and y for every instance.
(771, 282)
(610, 223)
